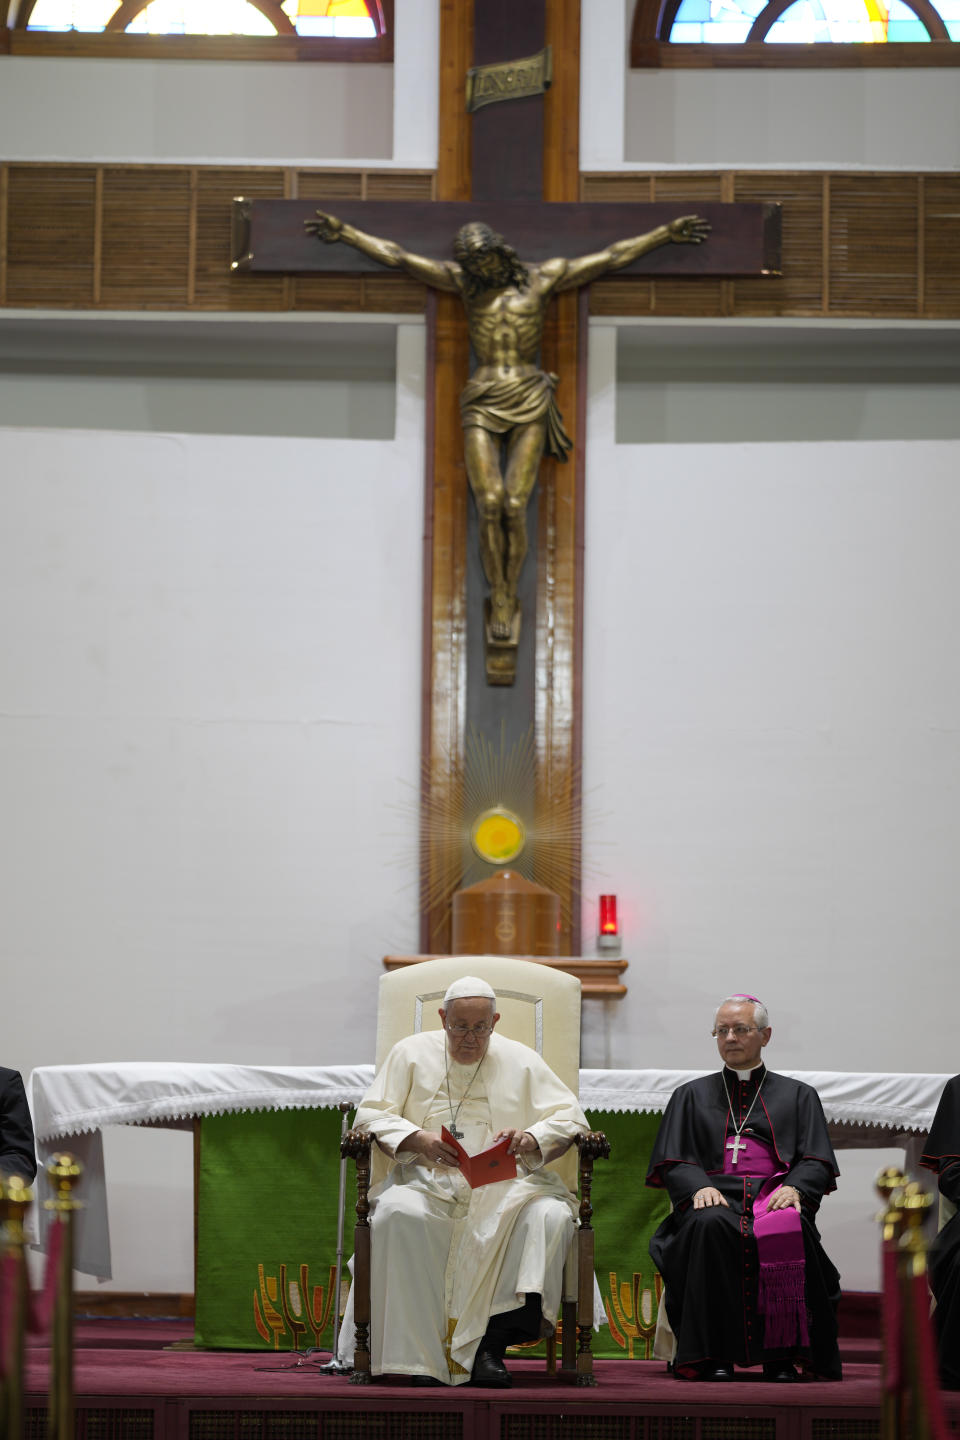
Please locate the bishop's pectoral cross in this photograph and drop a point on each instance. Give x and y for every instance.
(515, 168)
(736, 1145)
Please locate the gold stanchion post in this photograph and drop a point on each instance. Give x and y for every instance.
(63, 1172)
(912, 1408)
(890, 1185)
(15, 1197)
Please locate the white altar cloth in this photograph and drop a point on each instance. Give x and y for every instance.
(77, 1101)
(74, 1099)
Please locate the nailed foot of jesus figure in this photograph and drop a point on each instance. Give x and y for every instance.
(503, 608)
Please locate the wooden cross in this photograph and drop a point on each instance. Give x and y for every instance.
(515, 167)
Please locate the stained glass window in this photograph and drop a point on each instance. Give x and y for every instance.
(813, 22)
(724, 22)
(334, 18)
(950, 12)
(200, 17)
(330, 17)
(808, 22)
(71, 14)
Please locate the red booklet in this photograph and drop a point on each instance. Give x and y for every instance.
(491, 1164)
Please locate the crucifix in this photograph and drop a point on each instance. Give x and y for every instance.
(508, 404)
(511, 168)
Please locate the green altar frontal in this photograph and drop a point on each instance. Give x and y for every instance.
(268, 1186)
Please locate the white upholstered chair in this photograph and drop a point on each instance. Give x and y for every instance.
(540, 1007)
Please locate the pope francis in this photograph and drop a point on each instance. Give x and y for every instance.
(460, 1273)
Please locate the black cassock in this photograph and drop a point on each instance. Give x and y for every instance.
(942, 1154)
(17, 1154)
(708, 1258)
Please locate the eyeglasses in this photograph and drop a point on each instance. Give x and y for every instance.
(478, 1031)
(740, 1031)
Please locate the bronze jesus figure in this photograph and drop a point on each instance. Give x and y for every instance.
(508, 410)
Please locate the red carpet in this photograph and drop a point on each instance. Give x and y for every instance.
(129, 1384)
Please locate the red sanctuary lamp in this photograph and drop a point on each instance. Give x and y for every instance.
(608, 926)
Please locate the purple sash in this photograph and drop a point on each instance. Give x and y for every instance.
(781, 1298)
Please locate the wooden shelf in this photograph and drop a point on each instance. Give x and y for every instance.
(599, 979)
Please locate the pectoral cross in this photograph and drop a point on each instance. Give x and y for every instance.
(457, 1134)
(736, 1145)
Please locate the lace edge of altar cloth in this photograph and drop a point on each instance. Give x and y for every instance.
(77, 1099)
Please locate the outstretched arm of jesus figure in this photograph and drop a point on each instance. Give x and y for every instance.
(441, 274)
(686, 230)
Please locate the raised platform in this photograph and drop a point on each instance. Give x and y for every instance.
(131, 1386)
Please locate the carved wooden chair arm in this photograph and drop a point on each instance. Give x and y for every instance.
(593, 1146)
(355, 1145)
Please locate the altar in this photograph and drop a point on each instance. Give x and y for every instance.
(266, 1177)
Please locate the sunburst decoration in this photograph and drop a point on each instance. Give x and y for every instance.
(485, 813)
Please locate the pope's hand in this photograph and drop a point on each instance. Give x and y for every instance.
(706, 1197)
(783, 1198)
(325, 227)
(432, 1146)
(521, 1141)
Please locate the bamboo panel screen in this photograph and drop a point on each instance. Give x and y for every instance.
(620, 296)
(682, 189)
(874, 245)
(329, 185)
(623, 188)
(941, 252)
(330, 292)
(393, 185)
(158, 237)
(700, 295)
(400, 293)
(50, 233)
(145, 245)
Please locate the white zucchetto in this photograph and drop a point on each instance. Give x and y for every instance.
(467, 987)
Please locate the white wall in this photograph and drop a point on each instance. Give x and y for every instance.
(772, 747)
(197, 635)
(719, 382)
(772, 721)
(230, 112)
(195, 373)
(209, 733)
(793, 119)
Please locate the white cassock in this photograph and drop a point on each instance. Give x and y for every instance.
(445, 1258)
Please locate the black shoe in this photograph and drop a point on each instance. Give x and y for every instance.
(780, 1372)
(425, 1380)
(716, 1372)
(706, 1370)
(490, 1372)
